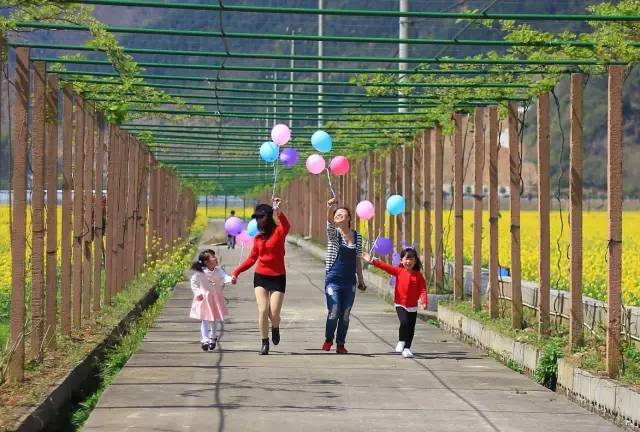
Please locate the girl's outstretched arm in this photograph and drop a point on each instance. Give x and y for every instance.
(391, 269)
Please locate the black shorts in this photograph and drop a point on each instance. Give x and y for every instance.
(270, 283)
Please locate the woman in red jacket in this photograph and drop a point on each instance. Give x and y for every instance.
(410, 286)
(270, 278)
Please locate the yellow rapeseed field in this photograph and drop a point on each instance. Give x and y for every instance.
(5, 240)
(594, 248)
(595, 242)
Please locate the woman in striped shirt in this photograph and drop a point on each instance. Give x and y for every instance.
(343, 268)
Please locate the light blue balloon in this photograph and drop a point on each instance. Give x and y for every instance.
(252, 228)
(321, 141)
(395, 205)
(269, 151)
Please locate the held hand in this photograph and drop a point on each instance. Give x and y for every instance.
(423, 306)
(234, 279)
(332, 202)
(276, 203)
(366, 256)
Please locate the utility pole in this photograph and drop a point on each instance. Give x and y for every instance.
(266, 109)
(275, 99)
(320, 61)
(292, 64)
(403, 49)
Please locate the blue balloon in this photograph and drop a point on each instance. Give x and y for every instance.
(252, 228)
(321, 141)
(395, 205)
(269, 151)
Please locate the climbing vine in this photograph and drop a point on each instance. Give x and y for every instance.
(116, 96)
(607, 42)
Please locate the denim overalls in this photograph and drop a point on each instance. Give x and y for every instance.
(340, 288)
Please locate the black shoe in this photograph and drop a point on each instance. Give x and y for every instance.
(204, 346)
(212, 344)
(275, 335)
(264, 349)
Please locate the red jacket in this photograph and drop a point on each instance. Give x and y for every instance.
(269, 253)
(410, 285)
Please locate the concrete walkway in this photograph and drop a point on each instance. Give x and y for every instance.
(171, 385)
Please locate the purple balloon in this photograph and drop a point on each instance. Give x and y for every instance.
(233, 225)
(288, 157)
(383, 246)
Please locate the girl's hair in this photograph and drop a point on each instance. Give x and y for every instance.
(347, 209)
(412, 253)
(263, 215)
(204, 256)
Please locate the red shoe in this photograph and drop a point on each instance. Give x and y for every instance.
(340, 349)
(326, 346)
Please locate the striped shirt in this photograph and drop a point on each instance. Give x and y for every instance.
(334, 240)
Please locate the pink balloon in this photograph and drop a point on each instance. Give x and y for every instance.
(365, 210)
(339, 165)
(244, 239)
(280, 134)
(315, 164)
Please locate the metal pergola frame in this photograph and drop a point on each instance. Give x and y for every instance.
(261, 101)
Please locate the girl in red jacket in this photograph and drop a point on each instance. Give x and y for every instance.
(270, 278)
(410, 286)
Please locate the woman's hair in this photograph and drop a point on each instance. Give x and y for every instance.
(412, 253)
(347, 209)
(204, 256)
(263, 214)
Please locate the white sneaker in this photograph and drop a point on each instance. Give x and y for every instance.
(406, 353)
(400, 346)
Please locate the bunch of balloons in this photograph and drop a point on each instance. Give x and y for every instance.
(270, 150)
(322, 142)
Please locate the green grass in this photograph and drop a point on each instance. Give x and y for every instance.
(117, 356)
(4, 319)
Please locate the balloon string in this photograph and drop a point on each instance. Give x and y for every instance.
(275, 179)
(373, 245)
(330, 186)
(241, 253)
